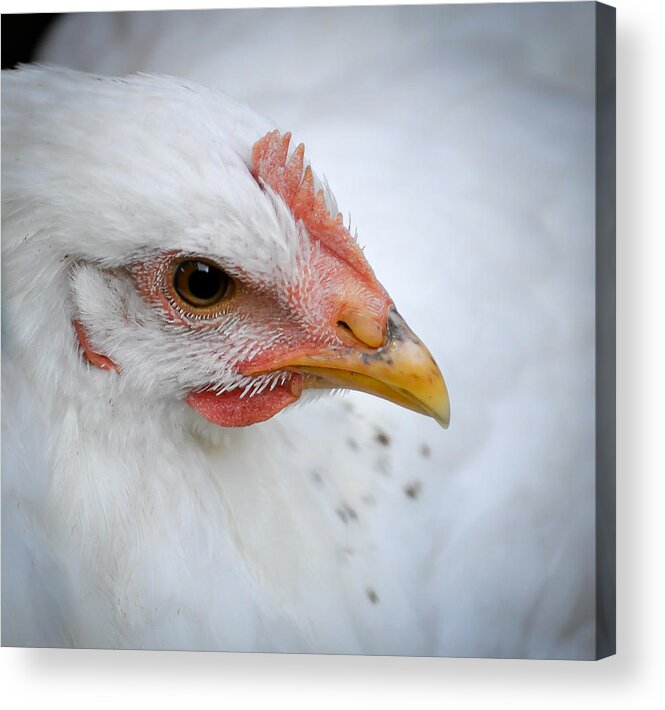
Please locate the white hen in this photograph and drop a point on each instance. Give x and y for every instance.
(349, 525)
(197, 267)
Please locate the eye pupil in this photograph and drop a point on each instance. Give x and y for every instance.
(204, 282)
(200, 284)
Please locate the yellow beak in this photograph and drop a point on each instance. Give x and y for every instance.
(402, 370)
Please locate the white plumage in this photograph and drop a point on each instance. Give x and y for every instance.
(349, 525)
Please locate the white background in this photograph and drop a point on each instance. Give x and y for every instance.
(84, 678)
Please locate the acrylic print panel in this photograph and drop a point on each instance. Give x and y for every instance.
(174, 247)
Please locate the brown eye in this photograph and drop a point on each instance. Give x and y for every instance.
(201, 284)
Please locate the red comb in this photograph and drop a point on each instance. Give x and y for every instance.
(296, 187)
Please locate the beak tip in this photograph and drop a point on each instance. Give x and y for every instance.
(439, 403)
(442, 416)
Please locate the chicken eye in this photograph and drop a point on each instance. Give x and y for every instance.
(200, 284)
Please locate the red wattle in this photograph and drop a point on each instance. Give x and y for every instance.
(229, 410)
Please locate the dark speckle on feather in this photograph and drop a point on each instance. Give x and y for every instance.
(372, 595)
(346, 513)
(353, 445)
(382, 437)
(425, 451)
(412, 490)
